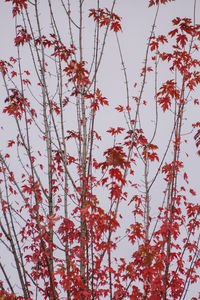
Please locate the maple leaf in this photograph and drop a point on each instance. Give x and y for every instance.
(117, 174)
(115, 191)
(33, 112)
(98, 137)
(136, 232)
(154, 45)
(142, 140)
(114, 131)
(185, 176)
(27, 72)
(192, 192)
(165, 102)
(149, 69)
(73, 134)
(114, 157)
(94, 106)
(182, 39)
(26, 81)
(153, 156)
(152, 146)
(115, 26)
(102, 100)
(119, 108)
(176, 21)
(162, 39)
(173, 32)
(55, 107)
(52, 219)
(13, 74)
(11, 143)
(12, 59)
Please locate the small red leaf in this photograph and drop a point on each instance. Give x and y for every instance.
(185, 176)
(11, 143)
(192, 192)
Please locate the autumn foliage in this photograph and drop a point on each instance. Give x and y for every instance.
(80, 218)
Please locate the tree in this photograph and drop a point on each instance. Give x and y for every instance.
(72, 200)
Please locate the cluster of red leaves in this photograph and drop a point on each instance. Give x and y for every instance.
(59, 49)
(180, 59)
(73, 135)
(22, 36)
(77, 73)
(54, 107)
(98, 100)
(116, 161)
(114, 157)
(149, 153)
(17, 6)
(98, 224)
(17, 104)
(169, 169)
(4, 66)
(154, 45)
(105, 18)
(168, 91)
(33, 187)
(157, 2)
(4, 295)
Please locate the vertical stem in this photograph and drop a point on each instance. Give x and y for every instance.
(172, 187)
(147, 199)
(83, 159)
(110, 274)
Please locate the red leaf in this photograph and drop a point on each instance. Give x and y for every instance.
(162, 39)
(173, 32)
(185, 176)
(114, 131)
(13, 74)
(22, 37)
(119, 108)
(197, 135)
(154, 45)
(149, 69)
(192, 192)
(11, 143)
(115, 26)
(153, 156)
(165, 102)
(27, 72)
(182, 39)
(115, 157)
